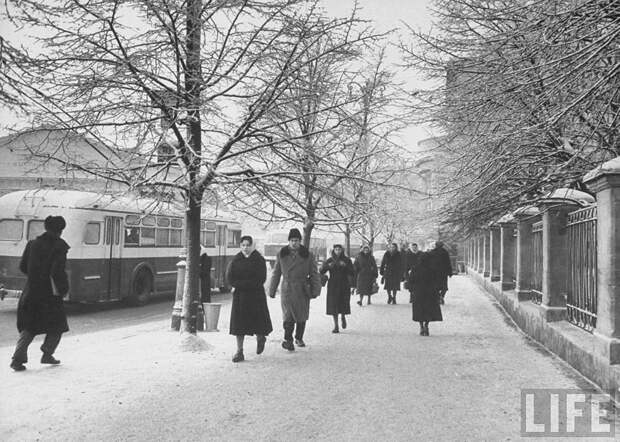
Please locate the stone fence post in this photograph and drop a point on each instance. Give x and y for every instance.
(480, 254)
(496, 257)
(486, 252)
(508, 243)
(525, 217)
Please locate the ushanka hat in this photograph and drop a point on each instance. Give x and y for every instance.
(294, 233)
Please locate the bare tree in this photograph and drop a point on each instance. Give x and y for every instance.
(114, 70)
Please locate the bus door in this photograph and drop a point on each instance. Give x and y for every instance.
(113, 248)
(220, 269)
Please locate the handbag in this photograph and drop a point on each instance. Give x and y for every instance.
(375, 288)
(324, 279)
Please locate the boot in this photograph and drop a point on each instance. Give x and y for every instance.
(344, 322)
(238, 357)
(49, 359)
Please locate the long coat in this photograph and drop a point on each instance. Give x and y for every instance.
(425, 306)
(440, 260)
(39, 310)
(340, 270)
(300, 282)
(392, 270)
(205, 278)
(366, 273)
(411, 263)
(249, 313)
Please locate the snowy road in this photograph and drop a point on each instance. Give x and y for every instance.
(376, 380)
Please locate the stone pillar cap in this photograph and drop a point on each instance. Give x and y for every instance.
(508, 218)
(568, 196)
(611, 167)
(526, 211)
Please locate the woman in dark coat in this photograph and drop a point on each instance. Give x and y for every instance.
(249, 314)
(340, 270)
(40, 309)
(392, 272)
(365, 268)
(425, 306)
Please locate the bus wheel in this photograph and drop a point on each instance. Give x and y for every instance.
(141, 288)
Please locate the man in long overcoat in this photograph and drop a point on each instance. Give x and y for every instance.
(40, 309)
(440, 260)
(412, 258)
(300, 282)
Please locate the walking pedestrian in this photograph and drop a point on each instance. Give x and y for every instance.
(366, 273)
(442, 269)
(40, 308)
(205, 276)
(296, 265)
(412, 258)
(425, 307)
(340, 270)
(392, 272)
(249, 314)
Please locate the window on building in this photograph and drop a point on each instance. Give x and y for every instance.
(11, 229)
(92, 233)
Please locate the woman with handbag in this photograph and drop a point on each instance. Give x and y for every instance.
(340, 270)
(366, 274)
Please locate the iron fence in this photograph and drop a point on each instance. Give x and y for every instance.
(537, 262)
(582, 297)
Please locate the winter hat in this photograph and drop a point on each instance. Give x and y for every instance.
(294, 233)
(55, 223)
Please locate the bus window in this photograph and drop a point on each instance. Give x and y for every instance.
(234, 238)
(92, 233)
(35, 228)
(163, 222)
(132, 220)
(175, 237)
(162, 237)
(11, 229)
(210, 225)
(207, 239)
(148, 220)
(132, 236)
(147, 236)
(176, 222)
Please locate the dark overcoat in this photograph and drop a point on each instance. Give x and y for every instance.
(300, 282)
(392, 270)
(39, 310)
(205, 278)
(366, 273)
(340, 270)
(249, 313)
(411, 264)
(440, 261)
(426, 303)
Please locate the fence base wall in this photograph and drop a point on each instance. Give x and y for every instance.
(593, 355)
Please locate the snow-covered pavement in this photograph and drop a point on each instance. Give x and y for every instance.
(378, 380)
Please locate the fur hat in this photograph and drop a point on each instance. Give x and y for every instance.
(294, 233)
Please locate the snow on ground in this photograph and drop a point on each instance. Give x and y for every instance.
(377, 380)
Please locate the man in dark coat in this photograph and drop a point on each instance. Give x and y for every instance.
(412, 258)
(296, 265)
(40, 309)
(440, 260)
(391, 271)
(205, 277)
(425, 307)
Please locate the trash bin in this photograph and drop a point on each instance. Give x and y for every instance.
(212, 315)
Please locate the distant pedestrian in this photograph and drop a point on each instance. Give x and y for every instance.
(40, 309)
(443, 269)
(425, 307)
(205, 276)
(366, 274)
(392, 272)
(249, 313)
(340, 270)
(412, 258)
(296, 265)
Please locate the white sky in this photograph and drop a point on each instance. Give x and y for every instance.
(386, 14)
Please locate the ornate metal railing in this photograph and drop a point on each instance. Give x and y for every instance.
(581, 288)
(537, 262)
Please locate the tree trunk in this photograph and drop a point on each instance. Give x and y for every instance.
(347, 239)
(308, 227)
(191, 297)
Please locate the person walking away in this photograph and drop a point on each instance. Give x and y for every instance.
(205, 276)
(296, 265)
(40, 309)
(425, 307)
(442, 269)
(392, 272)
(249, 314)
(340, 270)
(412, 259)
(365, 268)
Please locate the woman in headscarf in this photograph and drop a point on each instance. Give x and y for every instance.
(340, 270)
(366, 273)
(249, 314)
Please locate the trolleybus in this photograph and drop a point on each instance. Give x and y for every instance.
(122, 248)
(276, 240)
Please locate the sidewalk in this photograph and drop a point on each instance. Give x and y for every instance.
(376, 380)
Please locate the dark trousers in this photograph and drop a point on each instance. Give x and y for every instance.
(25, 339)
(299, 332)
(205, 289)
